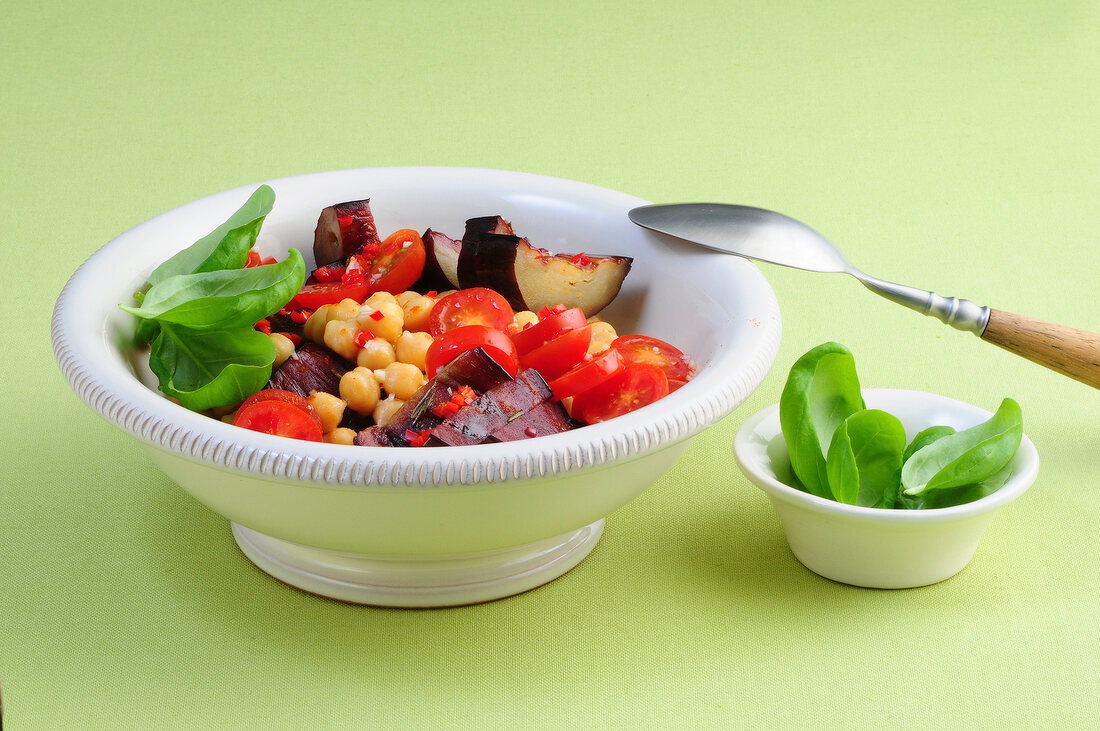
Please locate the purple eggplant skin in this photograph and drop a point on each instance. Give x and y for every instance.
(376, 436)
(489, 260)
(312, 368)
(474, 368)
(492, 410)
(549, 417)
(433, 276)
(342, 230)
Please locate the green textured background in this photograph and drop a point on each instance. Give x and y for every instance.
(953, 146)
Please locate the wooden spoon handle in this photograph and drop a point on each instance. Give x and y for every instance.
(1072, 352)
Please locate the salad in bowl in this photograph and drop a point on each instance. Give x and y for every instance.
(413, 526)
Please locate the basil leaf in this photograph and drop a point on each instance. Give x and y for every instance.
(227, 246)
(926, 437)
(958, 495)
(865, 457)
(226, 298)
(822, 390)
(207, 368)
(967, 457)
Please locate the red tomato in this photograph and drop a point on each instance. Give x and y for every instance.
(253, 259)
(398, 264)
(635, 386)
(587, 374)
(643, 349)
(275, 413)
(454, 343)
(312, 296)
(474, 306)
(560, 354)
(547, 329)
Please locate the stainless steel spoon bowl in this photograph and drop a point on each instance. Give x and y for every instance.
(768, 236)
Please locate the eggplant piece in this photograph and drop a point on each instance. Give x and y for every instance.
(531, 278)
(440, 263)
(285, 324)
(474, 368)
(312, 368)
(487, 225)
(549, 417)
(376, 436)
(491, 411)
(343, 230)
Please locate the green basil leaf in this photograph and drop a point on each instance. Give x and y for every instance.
(926, 437)
(225, 298)
(947, 497)
(865, 457)
(967, 457)
(207, 368)
(227, 246)
(822, 390)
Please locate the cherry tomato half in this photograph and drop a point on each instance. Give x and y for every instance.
(635, 386)
(454, 343)
(560, 354)
(587, 374)
(547, 329)
(473, 306)
(644, 349)
(274, 411)
(312, 296)
(398, 264)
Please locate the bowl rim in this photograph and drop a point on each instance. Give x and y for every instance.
(153, 419)
(764, 478)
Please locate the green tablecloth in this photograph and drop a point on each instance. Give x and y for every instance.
(952, 146)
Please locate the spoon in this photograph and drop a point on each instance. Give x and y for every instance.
(768, 236)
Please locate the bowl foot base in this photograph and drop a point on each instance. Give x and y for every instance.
(414, 580)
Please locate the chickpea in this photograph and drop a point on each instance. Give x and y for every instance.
(441, 295)
(377, 353)
(523, 318)
(400, 379)
(416, 313)
(379, 297)
(405, 297)
(284, 348)
(359, 389)
(412, 348)
(388, 326)
(329, 408)
(340, 336)
(386, 409)
(602, 335)
(343, 435)
(347, 309)
(315, 325)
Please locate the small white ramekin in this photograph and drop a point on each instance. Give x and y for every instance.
(876, 547)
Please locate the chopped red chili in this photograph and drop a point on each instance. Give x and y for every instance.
(464, 396)
(329, 274)
(377, 315)
(263, 326)
(300, 316)
(363, 337)
(296, 339)
(581, 259)
(417, 439)
(531, 431)
(433, 294)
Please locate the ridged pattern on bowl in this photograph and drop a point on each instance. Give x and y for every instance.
(152, 418)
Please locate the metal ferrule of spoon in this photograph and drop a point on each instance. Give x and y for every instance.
(756, 233)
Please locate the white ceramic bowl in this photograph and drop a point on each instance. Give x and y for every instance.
(876, 547)
(431, 526)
